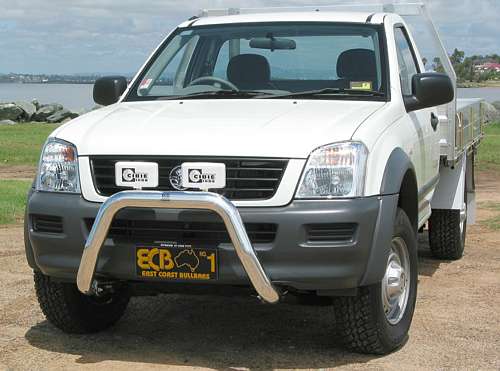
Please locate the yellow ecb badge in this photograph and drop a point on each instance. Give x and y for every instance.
(177, 262)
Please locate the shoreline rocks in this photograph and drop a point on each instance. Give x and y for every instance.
(492, 112)
(28, 108)
(12, 113)
(61, 115)
(46, 111)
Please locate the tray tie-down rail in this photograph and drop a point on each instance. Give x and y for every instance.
(174, 200)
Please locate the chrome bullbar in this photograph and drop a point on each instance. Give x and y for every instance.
(175, 200)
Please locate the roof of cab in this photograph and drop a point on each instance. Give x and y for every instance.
(322, 16)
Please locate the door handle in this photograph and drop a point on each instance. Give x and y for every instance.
(434, 121)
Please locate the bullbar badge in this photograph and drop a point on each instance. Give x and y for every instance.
(176, 178)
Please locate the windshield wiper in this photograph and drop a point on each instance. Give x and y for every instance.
(328, 91)
(218, 93)
(267, 95)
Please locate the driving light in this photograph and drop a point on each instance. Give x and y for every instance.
(335, 170)
(58, 171)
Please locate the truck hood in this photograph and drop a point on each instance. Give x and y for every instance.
(250, 128)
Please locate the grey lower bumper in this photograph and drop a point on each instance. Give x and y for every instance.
(290, 260)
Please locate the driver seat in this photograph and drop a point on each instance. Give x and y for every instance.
(357, 65)
(250, 72)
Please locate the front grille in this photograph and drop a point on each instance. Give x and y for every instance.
(330, 233)
(47, 223)
(246, 178)
(213, 233)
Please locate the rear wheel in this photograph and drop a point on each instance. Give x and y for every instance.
(447, 232)
(72, 312)
(377, 320)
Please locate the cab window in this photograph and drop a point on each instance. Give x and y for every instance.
(406, 59)
(274, 59)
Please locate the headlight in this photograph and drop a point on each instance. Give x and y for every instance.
(335, 170)
(58, 171)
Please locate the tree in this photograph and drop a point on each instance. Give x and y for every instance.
(465, 71)
(437, 65)
(457, 57)
(465, 67)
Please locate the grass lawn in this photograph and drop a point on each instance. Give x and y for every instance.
(489, 161)
(13, 200)
(493, 222)
(22, 144)
(489, 150)
(19, 145)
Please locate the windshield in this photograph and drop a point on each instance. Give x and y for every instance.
(326, 60)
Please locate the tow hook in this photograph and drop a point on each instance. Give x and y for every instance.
(282, 297)
(100, 289)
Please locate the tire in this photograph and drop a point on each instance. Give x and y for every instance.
(74, 313)
(362, 323)
(446, 237)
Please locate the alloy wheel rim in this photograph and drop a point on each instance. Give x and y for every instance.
(396, 282)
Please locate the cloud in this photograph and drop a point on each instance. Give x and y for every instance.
(117, 35)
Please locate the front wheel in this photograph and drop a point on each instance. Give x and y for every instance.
(378, 318)
(72, 312)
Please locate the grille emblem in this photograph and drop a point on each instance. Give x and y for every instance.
(176, 178)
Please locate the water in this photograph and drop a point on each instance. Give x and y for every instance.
(488, 94)
(78, 97)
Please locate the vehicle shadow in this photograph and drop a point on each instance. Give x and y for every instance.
(214, 332)
(427, 264)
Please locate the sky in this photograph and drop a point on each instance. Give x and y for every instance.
(116, 36)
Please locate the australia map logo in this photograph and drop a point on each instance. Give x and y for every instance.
(187, 258)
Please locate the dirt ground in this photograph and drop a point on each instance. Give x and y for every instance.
(456, 323)
(19, 172)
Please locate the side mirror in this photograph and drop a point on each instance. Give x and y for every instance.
(429, 90)
(107, 90)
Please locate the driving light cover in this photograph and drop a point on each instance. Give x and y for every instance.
(58, 170)
(335, 170)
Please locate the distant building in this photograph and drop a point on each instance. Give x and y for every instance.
(486, 67)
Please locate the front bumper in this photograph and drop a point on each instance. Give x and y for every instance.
(291, 260)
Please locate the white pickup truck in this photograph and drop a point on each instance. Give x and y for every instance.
(284, 152)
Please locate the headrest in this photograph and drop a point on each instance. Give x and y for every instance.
(357, 65)
(248, 69)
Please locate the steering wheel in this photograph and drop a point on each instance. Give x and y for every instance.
(214, 80)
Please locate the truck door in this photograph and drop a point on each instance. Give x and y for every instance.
(424, 142)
